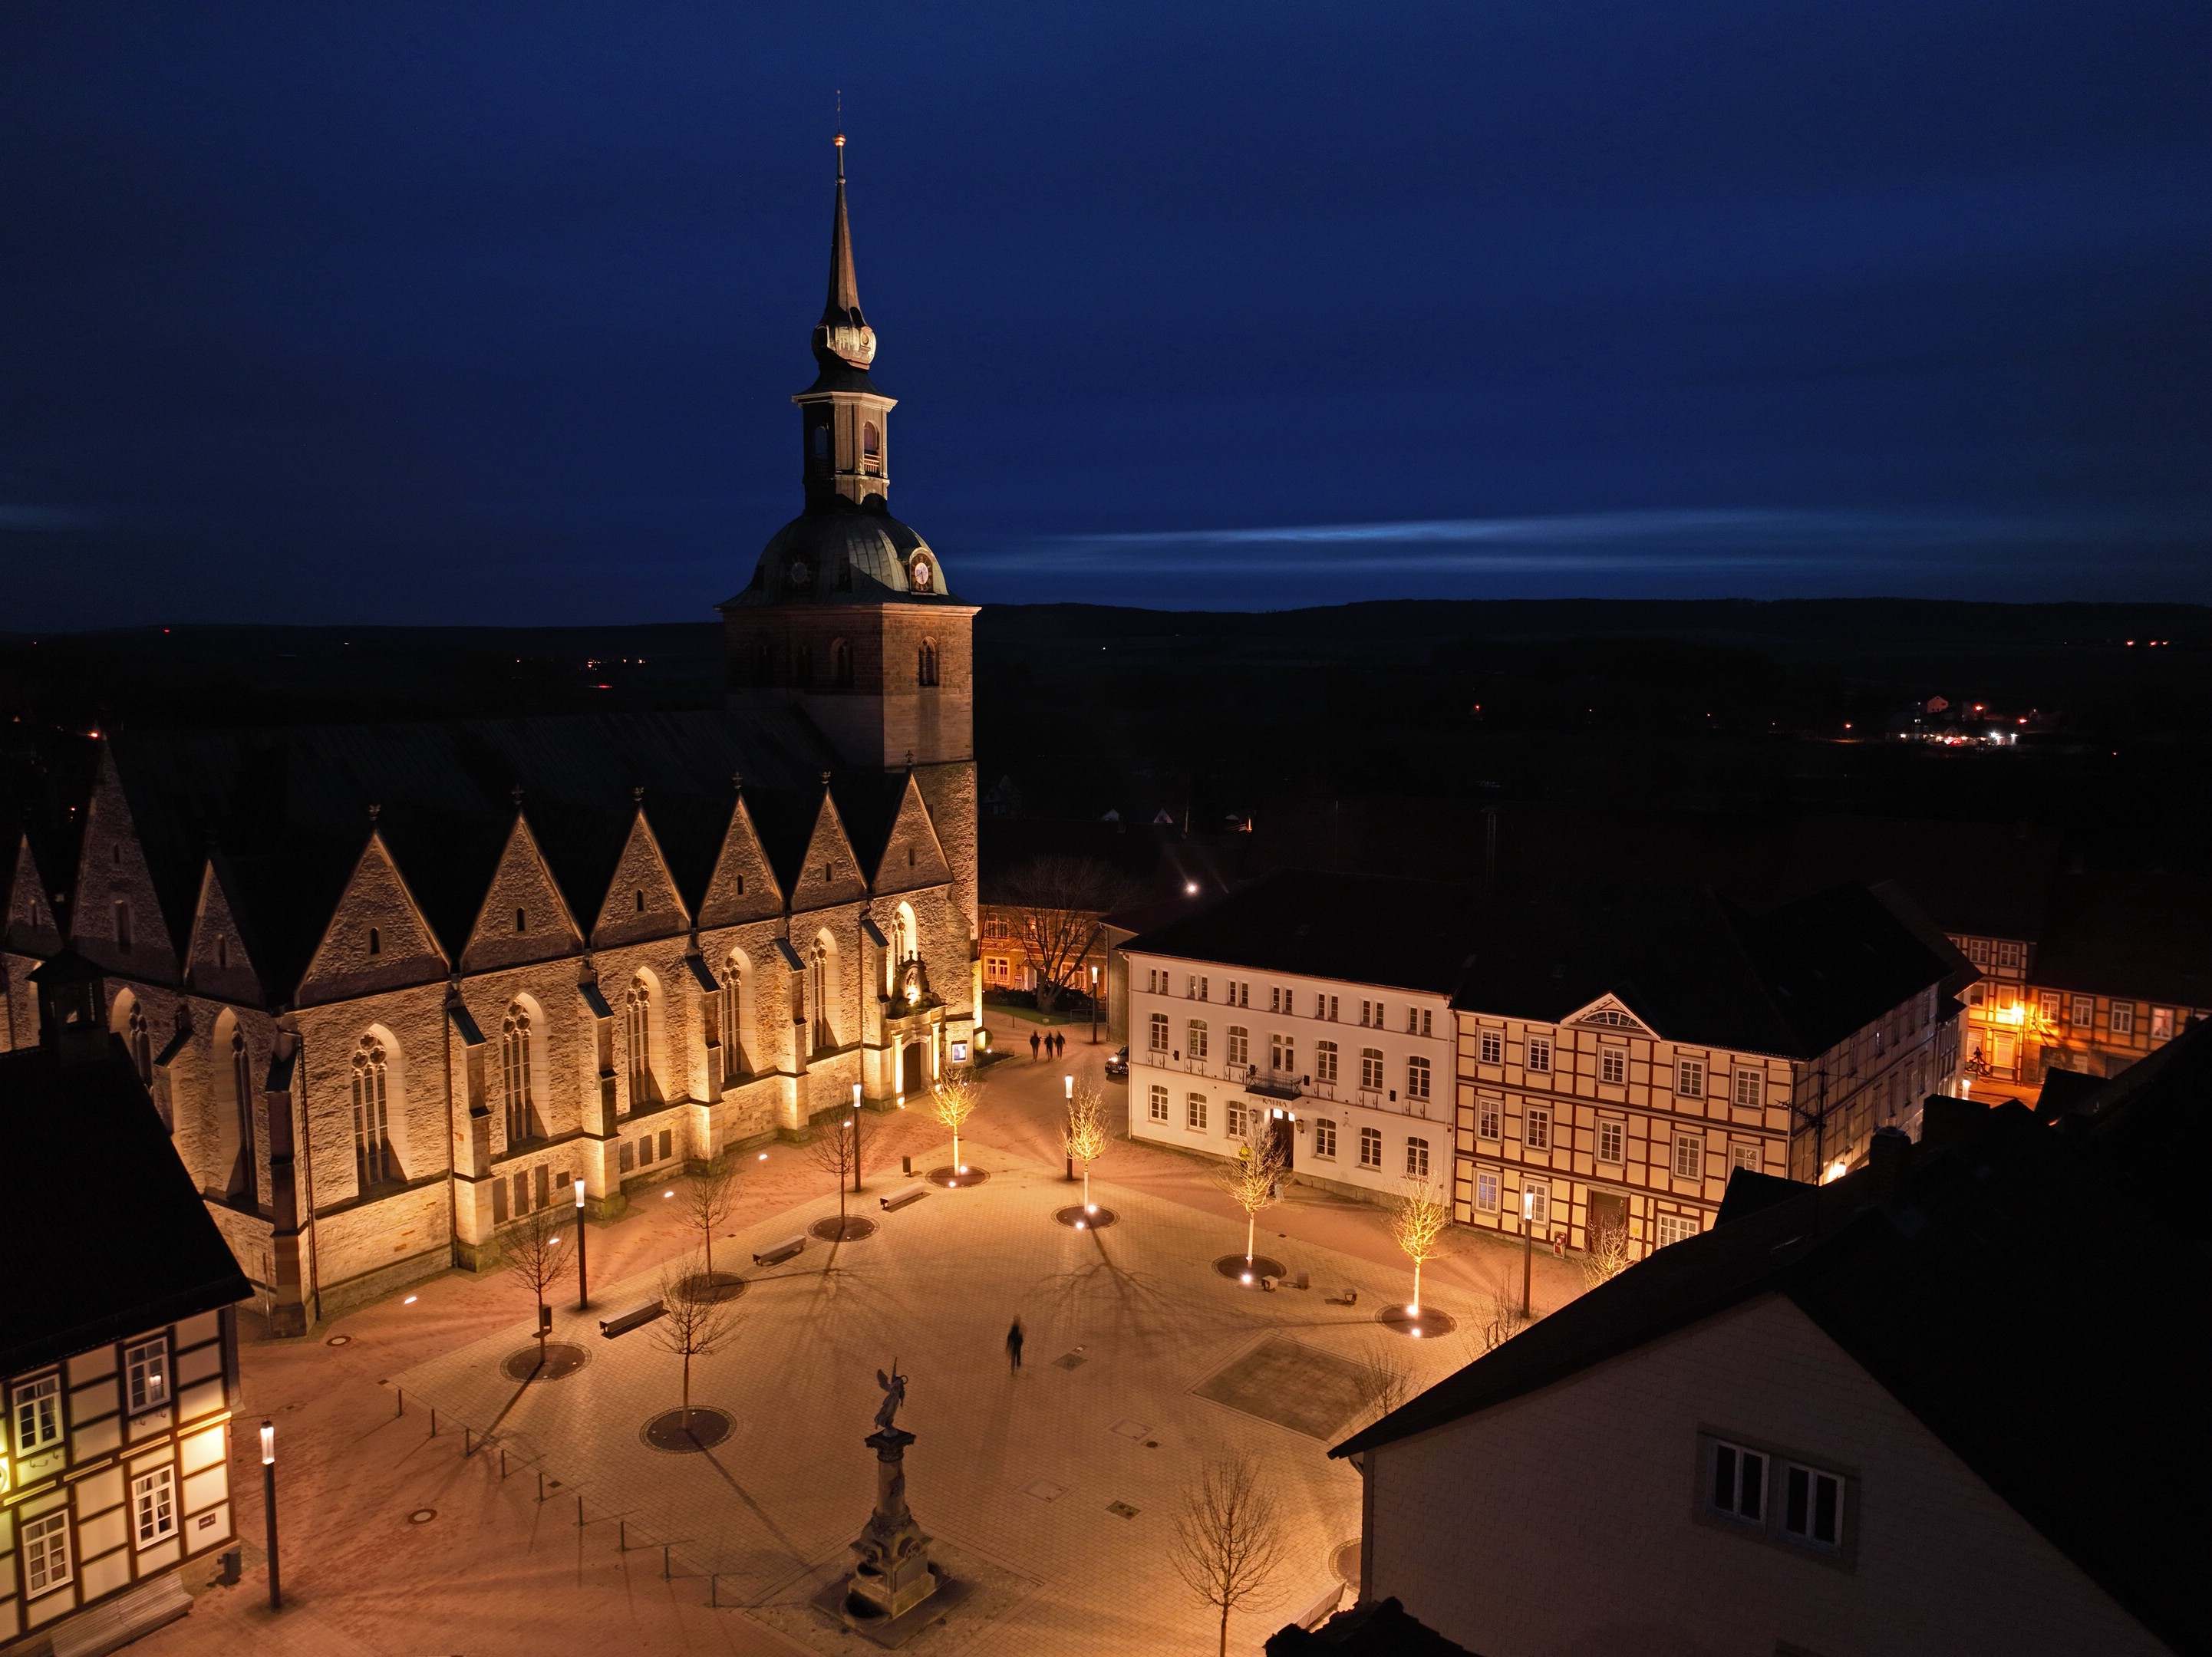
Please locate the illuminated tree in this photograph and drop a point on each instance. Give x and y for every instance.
(953, 1100)
(689, 1328)
(836, 1153)
(1608, 1255)
(1254, 1180)
(1228, 1543)
(709, 1199)
(532, 1254)
(1083, 1135)
(1417, 1226)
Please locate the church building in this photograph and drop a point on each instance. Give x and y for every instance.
(394, 986)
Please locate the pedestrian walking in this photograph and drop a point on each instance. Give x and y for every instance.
(1014, 1347)
(1035, 1041)
(1059, 1044)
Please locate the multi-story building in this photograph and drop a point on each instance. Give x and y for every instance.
(1580, 1058)
(118, 1349)
(394, 986)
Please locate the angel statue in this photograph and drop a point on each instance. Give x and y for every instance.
(894, 1386)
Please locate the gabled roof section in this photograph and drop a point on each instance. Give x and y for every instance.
(906, 855)
(218, 961)
(1938, 1277)
(641, 899)
(742, 885)
(523, 917)
(27, 924)
(114, 866)
(829, 871)
(378, 937)
(1610, 1012)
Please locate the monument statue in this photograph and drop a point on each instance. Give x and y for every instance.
(894, 1386)
(892, 1578)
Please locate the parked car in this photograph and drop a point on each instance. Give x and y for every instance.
(1117, 1065)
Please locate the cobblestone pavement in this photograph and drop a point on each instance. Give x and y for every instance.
(1020, 1475)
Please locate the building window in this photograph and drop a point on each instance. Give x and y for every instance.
(1491, 1048)
(122, 927)
(1370, 1148)
(1536, 1205)
(1370, 1014)
(154, 1504)
(1325, 1007)
(2123, 1018)
(375, 941)
(1488, 1110)
(1418, 1022)
(872, 450)
(1370, 1069)
(373, 1163)
(924, 671)
(1417, 1159)
(1159, 1040)
(2009, 956)
(637, 1040)
(1672, 1227)
(1196, 1048)
(514, 1072)
(1738, 1486)
(1282, 1052)
(1193, 1112)
(1159, 1104)
(146, 1371)
(1485, 1193)
(1537, 1128)
(2084, 1010)
(1750, 1088)
(1240, 1121)
(1612, 1066)
(1540, 1055)
(1690, 1078)
(1278, 1001)
(1813, 1506)
(46, 1552)
(1746, 1156)
(626, 1159)
(1417, 1078)
(1324, 1062)
(1240, 1045)
(1689, 1157)
(1325, 1137)
(1611, 1137)
(2161, 1023)
(38, 1414)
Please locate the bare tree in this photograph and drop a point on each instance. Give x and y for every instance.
(1229, 1542)
(1063, 902)
(836, 1153)
(689, 1328)
(953, 1100)
(534, 1255)
(1083, 1134)
(1254, 1180)
(709, 1201)
(1608, 1255)
(1388, 1382)
(1417, 1226)
(1501, 1319)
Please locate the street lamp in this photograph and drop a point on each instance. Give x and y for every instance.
(1070, 1081)
(268, 1508)
(1527, 1243)
(856, 1138)
(583, 1276)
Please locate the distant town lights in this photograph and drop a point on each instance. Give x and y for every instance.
(1190, 886)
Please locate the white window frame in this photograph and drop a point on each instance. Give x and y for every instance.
(154, 1505)
(38, 1414)
(48, 1560)
(1240, 1045)
(1485, 1193)
(1674, 1228)
(1690, 1078)
(146, 1370)
(1750, 1088)
(1417, 1078)
(1489, 1048)
(1489, 1118)
(2161, 1023)
(2084, 1011)
(1157, 1104)
(1417, 1159)
(1539, 1055)
(1536, 1127)
(1194, 1042)
(1613, 1066)
(1370, 1069)
(1612, 1139)
(1324, 1138)
(1370, 1148)
(1193, 1112)
(1539, 1211)
(1240, 1120)
(1324, 1062)
(1746, 1470)
(1689, 1155)
(1158, 1026)
(1282, 1051)
(2123, 1018)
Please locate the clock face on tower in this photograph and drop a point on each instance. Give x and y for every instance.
(919, 575)
(800, 575)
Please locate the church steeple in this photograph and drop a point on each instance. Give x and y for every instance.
(843, 337)
(844, 421)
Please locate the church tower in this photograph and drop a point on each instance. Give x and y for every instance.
(849, 618)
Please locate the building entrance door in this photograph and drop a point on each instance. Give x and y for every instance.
(1284, 1132)
(913, 1069)
(1608, 1211)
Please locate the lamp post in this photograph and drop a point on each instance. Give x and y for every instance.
(856, 1138)
(1527, 1243)
(583, 1276)
(1070, 1081)
(268, 1508)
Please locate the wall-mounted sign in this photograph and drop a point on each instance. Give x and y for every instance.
(959, 1052)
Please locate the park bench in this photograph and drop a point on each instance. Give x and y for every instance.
(904, 1195)
(636, 1318)
(776, 1252)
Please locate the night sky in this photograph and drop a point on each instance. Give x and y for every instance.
(491, 314)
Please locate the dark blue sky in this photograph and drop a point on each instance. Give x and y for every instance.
(482, 313)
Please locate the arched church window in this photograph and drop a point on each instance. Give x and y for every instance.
(637, 1030)
(514, 1069)
(821, 974)
(817, 449)
(141, 1046)
(925, 664)
(872, 451)
(244, 1186)
(375, 941)
(373, 1161)
(840, 662)
(737, 1017)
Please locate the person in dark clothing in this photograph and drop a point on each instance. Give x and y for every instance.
(1035, 1041)
(1014, 1348)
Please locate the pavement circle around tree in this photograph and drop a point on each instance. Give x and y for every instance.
(950, 1178)
(1094, 1218)
(1237, 1269)
(851, 1228)
(707, 1427)
(1346, 1563)
(705, 1286)
(1431, 1323)
(562, 1361)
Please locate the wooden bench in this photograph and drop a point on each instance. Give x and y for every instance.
(776, 1252)
(904, 1195)
(636, 1318)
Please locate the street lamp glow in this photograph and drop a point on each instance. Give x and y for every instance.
(580, 1194)
(268, 1444)
(1070, 1080)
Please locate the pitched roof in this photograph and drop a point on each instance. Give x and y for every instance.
(2136, 935)
(2152, 1125)
(100, 1276)
(1948, 1280)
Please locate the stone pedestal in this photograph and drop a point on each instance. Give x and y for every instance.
(892, 1575)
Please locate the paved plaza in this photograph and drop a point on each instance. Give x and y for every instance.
(1055, 1490)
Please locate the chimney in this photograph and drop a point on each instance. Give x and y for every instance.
(1889, 1155)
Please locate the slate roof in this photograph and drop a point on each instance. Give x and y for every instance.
(1792, 981)
(138, 1250)
(2034, 1314)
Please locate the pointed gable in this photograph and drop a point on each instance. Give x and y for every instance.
(744, 886)
(523, 917)
(218, 956)
(118, 919)
(641, 899)
(27, 924)
(912, 857)
(1611, 1012)
(830, 873)
(377, 937)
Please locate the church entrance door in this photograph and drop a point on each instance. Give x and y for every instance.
(914, 1068)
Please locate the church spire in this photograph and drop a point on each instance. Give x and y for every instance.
(843, 338)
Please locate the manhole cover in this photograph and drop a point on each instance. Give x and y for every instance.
(1428, 1321)
(1128, 1429)
(1044, 1490)
(339, 1341)
(1093, 1218)
(1070, 1361)
(1239, 1268)
(1121, 1510)
(562, 1361)
(703, 1286)
(953, 1179)
(421, 1515)
(680, 1434)
(851, 1228)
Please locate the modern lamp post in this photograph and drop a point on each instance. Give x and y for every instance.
(1527, 1243)
(583, 1276)
(856, 1138)
(268, 1508)
(1070, 1081)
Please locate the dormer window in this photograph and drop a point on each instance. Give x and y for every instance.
(872, 451)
